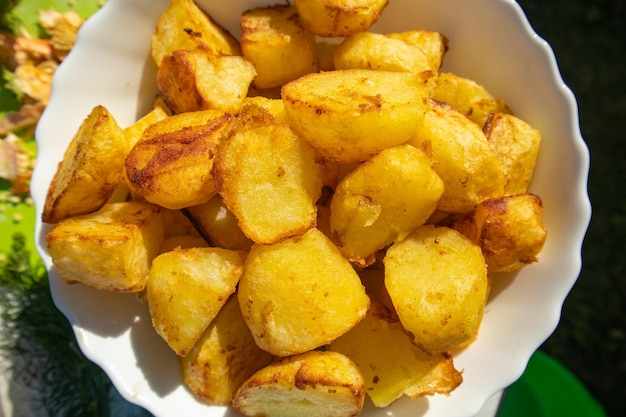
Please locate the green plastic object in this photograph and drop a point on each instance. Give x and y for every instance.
(548, 389)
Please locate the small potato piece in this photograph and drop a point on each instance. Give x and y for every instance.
(218, 225)
(516, 145)
(462, 157)
(351, 115)
(183, 242)
(467, 96)
(171, 164)
(375, 51)
(194, 80)
(270, 180)
(383, 200)
(509, 230)
(187, 288)
(134, 132)
(280, 48)
(184, 25)
(273, 106)
(391, 364)
(332, 18)
(300, 294)
(316, 383)
(91, 168)
(437, 281)
(434, 44)
(223, 358)
(110, 249)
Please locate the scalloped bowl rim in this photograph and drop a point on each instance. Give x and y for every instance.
(137, 360)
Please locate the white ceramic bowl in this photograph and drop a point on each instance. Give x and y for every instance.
(490, 41)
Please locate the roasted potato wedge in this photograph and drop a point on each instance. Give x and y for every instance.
(264, 170)
(391, 363)
(351, 115)
(383, 200)
(434, 44)
(516, 145)
(300, 294)
(187, 288)
(194, 80)
(110, 249)
(223, 358)
(467, 96)
(367, 50)
(437, 281)
(171, 164)
(274, 106)
(462, 157)
(218, 225)
(335, 18)
(91, 168)
(316, 383)
(184, 25)
(508, 229)
(280, 48)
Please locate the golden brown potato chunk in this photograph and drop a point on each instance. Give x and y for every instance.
(316, 383)
(274, 106)
(467, 96)
(91, 168)
(184, 25)
(300, 294)
(434, 44)
(332, 18)
(280, 48)
(437, 281)
(194, 80)
(462, 157)
(110, 249)
(351, 115)
(391, 363)
(383, 200)
(270, 180)
(375, 51)
(516, 145)
(508, 229)
(187, 288)
(223, 358)
(218, 225)
(171, 164)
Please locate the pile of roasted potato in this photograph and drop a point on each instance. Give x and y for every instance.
(309, 220)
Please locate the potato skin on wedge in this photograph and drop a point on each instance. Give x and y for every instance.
(315, 383)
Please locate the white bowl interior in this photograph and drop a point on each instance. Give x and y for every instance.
(490, 42)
